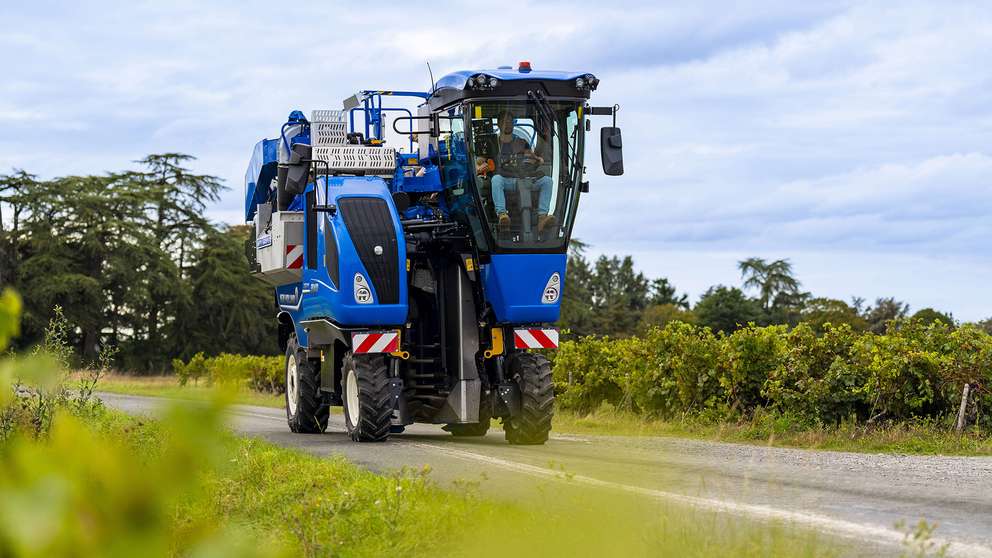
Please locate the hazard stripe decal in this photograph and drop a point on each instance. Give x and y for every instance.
(294, 256)
(535, 338)
(375, 342)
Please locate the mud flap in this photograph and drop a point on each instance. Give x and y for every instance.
(507, 400)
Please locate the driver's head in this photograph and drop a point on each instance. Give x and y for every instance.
(505, 122)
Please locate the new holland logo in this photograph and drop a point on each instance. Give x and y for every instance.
(552, 290)
(363, 295)
(289, 299)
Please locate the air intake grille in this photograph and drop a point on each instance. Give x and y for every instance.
(370, 224)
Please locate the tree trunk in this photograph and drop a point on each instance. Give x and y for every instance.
(91, 340)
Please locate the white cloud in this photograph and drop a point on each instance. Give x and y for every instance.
(772, 128)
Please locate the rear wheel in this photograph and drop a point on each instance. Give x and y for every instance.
(532, 374)
(306, 411)
(368, 401)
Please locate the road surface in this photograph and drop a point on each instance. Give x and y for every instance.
(859, 498)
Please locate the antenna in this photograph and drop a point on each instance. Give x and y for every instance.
(433, 85)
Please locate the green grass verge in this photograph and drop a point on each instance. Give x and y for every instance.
(168, 386)
(181, 486)
(921, 438)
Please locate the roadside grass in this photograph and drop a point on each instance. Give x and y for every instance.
(168, 386)
(921, 438)
(182, 485)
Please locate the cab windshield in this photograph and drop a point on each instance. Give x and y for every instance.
(524, 160)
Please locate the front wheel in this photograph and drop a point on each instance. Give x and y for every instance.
(532, 374)
(306, 411)
(368, 401)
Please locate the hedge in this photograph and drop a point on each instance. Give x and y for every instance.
(913, 370)
(261, 373)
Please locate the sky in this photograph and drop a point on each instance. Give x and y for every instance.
(854, 139)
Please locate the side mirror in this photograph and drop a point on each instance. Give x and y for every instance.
(299, 168)
(611, 149)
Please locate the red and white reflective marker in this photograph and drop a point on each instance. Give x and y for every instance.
(540, 338)
(294, 256)
(375, 342)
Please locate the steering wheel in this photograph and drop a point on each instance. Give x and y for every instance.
(520, 164)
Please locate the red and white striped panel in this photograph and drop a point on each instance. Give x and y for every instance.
(294, 256)
(539, 338)
(375, 342)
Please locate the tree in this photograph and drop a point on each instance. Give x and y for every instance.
(177, 199)
(663, 292)
(660, 315)
(85, 245)
(113, 250)
(12, 190)
(884, 311)
(576, 300)
(818, 312)
(771, 280)
(609, 296)
(986, 325)
(726, 309)
(929, 316)
(234, 312)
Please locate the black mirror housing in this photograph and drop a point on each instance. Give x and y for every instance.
(611, 150)
(299, 168)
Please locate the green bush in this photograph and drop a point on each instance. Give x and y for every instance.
(36, 387)
(10, 316)
(816, 378)
(261, 373)
(827, 376)
(750, 356)
(193, 370)
(676, 370)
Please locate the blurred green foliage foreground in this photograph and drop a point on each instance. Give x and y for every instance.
(77, 479)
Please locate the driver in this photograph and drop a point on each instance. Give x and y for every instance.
(512, 147)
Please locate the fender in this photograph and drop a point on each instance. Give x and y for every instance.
(288, 327)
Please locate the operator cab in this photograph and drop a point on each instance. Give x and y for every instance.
(512, 156)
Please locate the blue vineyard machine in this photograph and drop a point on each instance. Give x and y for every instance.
(419, 284)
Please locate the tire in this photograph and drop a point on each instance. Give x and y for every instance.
(306, 411)
(532, 374)
(368, 401)
(475, 429)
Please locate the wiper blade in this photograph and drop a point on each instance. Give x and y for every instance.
(547, 114)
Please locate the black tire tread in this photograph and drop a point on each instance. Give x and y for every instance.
(531, 426)
(312, 413)
(374, 397)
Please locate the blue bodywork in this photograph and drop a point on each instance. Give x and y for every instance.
(258, 177)
(317, 295)
(513, 284)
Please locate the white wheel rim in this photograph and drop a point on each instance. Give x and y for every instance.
(292, 389)
(351, 392)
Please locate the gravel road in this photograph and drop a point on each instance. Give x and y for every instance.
(857, 497)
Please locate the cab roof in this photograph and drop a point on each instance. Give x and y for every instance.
(459, 79)
(512, 82)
